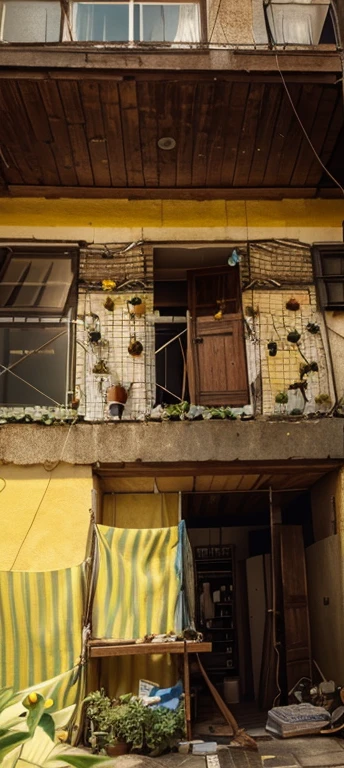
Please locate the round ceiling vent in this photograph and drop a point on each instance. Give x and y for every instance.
(167, 142)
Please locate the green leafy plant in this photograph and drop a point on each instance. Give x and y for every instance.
(128, 720)
(135, 300)
(281, 398)
(27, 733)
(323, 399)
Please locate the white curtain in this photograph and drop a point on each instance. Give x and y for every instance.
(293, 22)
(188, 27)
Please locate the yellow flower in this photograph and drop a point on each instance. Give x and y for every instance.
(33, 698)
(48, 703)
(108, 285)
(62, 735)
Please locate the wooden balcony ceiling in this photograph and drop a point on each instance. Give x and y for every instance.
(70, 136)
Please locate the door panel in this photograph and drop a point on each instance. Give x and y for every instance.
(295, 603)
(216, 347)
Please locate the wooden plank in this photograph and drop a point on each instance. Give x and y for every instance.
(295, 605)
(171, 484)
(335, 126)
(167, 111)
(265, 132)
(294, 144)
(72, 106)
(153, 193)
(60, 145)
(218, 134)
(247, 141)
(187, 692)
(18, 136)
(281, 128)
(96, 138)
(202, 122)
(148, 130)
(131, 133)
(186, 95)
(109, 99)
(317, 135)
(237, 105)
(145, 649)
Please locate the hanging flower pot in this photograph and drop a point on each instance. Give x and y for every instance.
(136, 306)
(272, 347)
(135, 347)
(294, 336)
(313, 328)
(109, 304)
(117, 394)
(293, 305)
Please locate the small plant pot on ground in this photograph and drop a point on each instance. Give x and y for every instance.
(118, 749)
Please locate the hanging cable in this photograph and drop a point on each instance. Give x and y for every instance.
(329, 174)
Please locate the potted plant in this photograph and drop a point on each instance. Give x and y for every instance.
(281, 400)
(136, 306)
(116, 396)
(323, 400)
(293, 336)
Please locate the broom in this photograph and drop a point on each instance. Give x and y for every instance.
(240, 737)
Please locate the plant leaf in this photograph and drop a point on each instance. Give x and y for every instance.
(85, 761)
(6, 695)
(10, 741)
(46, 722)
(35, 712)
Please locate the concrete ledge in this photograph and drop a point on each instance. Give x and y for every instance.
(120, 442)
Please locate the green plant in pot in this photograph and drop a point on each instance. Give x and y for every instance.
(293, 336)
(127, 721)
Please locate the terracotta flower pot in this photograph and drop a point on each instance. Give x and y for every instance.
(115, 750)
(117, 394)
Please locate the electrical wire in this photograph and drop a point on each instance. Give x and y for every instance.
(329, 174)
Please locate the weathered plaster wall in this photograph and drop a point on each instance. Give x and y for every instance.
(44, 515)
(335, 327)
(325, 501)
(229, 21)
(125, 221)
(120, 442)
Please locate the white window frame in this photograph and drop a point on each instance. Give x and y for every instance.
(131, 4)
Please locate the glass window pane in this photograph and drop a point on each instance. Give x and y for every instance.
(332, 265)
(335, 292)
(54, 296)
(170, 23)
(296, 23)
(31, 21)
(16, 270)
(101, 22)
(27, 296)
(45, 370)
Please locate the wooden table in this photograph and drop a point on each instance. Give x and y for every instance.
(107, 648)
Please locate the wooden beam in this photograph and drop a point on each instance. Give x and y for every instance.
(323, 78)
(145, 649)
(176, 469)
(170, 193)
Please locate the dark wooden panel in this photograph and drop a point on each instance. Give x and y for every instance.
(72, 106)
(265, 132)
(202, 123)
(218, 134)
(95, 132)
(307, 111)
(295, 605)
(332, 133)
(247, 141)
(113, 130)
(186, 95)
(19, 138)
(325, 109)
(171, 193)
(131, 133)
(281, 128)
(167, 111)
(148, 130)
(60, 144)
(235, 117)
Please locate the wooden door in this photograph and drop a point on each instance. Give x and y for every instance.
(295, 605)
(217, 359)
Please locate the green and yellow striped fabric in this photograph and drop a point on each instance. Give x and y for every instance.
(41, 617)
(138, 583)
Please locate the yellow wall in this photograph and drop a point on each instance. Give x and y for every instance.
(125, 220)
(44, 516)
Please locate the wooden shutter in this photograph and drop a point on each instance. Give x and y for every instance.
(217, 359)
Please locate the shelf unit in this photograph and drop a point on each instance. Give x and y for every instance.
(215, 565)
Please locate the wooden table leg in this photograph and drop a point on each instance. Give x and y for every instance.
(187, 693)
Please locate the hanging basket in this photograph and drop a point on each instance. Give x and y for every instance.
(135, 348)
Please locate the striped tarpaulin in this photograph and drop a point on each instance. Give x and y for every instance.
(138, 583)
(41, 618)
